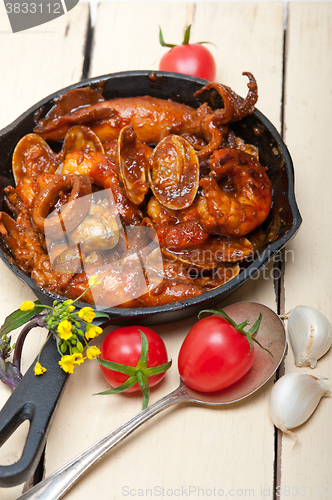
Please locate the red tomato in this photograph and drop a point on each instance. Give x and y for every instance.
(214, 355)
(191, 59)
(124, 346)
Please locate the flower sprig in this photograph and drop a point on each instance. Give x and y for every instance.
(70, 326)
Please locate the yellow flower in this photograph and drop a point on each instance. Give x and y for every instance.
(69, 361)
(78, 358)
(94, 280)
(27, 305)
(64, 329)
(69, 306)
(93, 331)
(87, 314)
(39, 369)
(92, 352)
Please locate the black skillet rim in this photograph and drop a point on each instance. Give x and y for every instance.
(210, 297)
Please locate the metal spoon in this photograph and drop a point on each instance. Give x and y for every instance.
(271, 335)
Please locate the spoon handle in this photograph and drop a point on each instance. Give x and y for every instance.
(56, 485)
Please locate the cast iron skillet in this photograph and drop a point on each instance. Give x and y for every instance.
(36, 398)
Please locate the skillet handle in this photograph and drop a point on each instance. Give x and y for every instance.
(35, 399)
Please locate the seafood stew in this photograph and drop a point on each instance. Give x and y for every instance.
(200, 250)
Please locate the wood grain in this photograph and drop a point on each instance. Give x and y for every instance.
(34, 63)
(185, 446)
(308, 101)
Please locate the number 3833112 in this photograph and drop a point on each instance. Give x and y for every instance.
(34, 7)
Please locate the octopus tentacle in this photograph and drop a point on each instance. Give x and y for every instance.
(247, 105)
(72, 214)
(214, 125)
(225, 114)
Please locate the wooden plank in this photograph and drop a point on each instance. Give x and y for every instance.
(307, 467)
(34, 63)
(127, 38)
(188, 446)
(43, 60)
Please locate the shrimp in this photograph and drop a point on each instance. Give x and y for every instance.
(239, 208)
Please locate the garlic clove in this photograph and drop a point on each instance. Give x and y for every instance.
(310, 335)
(294, 398)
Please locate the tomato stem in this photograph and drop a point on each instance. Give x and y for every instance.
(117, 390)
(144, 385)
(239, 328)
(186, 35)
(186, 39)
(162, 42)
(138, 374)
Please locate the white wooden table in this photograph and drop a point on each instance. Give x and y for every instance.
(187, 450)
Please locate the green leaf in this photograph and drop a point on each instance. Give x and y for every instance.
(186, 35)
(101, 315)
(162, 42)
(126, 385)
(260, 345)
(144, 352)
(249, 338)
(143, 382)
(156, 370)
(19, 318)
(255, 326)
(118, 367)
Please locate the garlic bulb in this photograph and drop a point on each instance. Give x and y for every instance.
(294, 398)
(310, 335)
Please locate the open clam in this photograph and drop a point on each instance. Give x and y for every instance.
(33, 156)
(174, 172)
(131, 164)
(81, 138)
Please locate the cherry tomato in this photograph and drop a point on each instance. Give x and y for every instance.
(189, 58)
(124, 346)
(214, 355)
